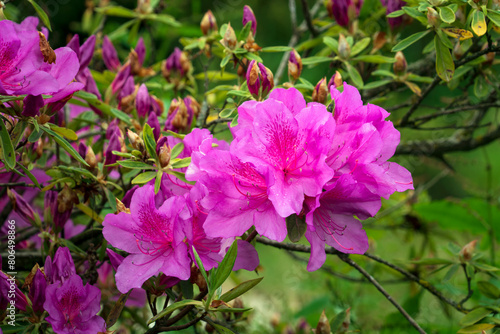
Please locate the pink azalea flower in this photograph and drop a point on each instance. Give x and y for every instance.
(292, 143)
(364, 141)
(238, 198)
(73, 307)
(330, 220)
(153, 238)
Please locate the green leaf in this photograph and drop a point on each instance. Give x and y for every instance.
(451, 272)
(474, 316)
(245, 31)
(489, 290)
(117, 11)
(228, 112)
(149, 140)
(315, 60)
(337, 321)
(375, 59)
(494, 17)
(355, 76)
(481, 87)
(8, 153)
(376, 84)
(485, 267)
(396, 13)
(135, 164)
(203, 273)
(234, 122)
(179, 175)
(479, 328)
(174, 307)
(230, 310)
(276, 49)
(332, 43)
(445, 66)
(116, 310)
(162, 18)
(225, 267)
(123, 154)
(433, 261)
(360, 46)
(216, 76)
(159, 175)
(384, 73)
(31, 176)
(239, 93)
(35, 134)
(68, 133)
(65, 145)
(144, 177)
(89, 212)
(240, 289)
(221, 329)
(296, 227)
(446, 14)
(444, 38)
(252, 56)
(409, 41)
(478, 23)
(41, 14)
(111, 198)
(181, 163)
(105, 108)
(176, 150)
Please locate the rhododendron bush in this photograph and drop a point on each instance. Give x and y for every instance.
(161, 172)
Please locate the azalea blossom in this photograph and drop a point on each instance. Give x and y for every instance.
(153, 238)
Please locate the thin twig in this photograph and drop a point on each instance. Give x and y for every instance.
(349, 261)
(469, 290)
(307, 16)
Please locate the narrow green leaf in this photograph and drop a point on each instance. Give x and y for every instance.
(446, 14)
(451, 272)
(384, 73)
(230, 310)
(117, 11)
(144, 177)
(159, 175)
(225, 60)
(175, 134)
(181, 163)
(105, 108)
(332, 43)
(31, 176)
(494, 17)
(111, 198)
(35, 134)
(375, 59)
(234, 122)
(409, 41)
(226, 112)
(444, 38)
(68, 133)
(65, 145)
(221, 329)
(489, 290)
(240, 289)
(123, 154)
(41, 14)
(116, 310)
(360, 46)
(252, 56)
(176, 150)
(315, 60)
(276, 49)
(134, 164)
(376, 84)
(149, 140)
(239, 93)
(162, 18)
(479, 328)
(474, 316)
(174, 307)
(225, 267)
(432, 261)
(485, 267)
(89, 212)
(337, 321)
(445, 66)
(8, 153)
(203, 272)
(396, 13)
(355, 76)
(245, 31)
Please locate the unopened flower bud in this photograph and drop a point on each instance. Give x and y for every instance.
(208, 23)
(176, 66)
(90, 158)
(154, 124)
(32, 105)
(267, 80)
(121, 78)
(335, 81)
(320, 92)
(20, 206)
(109, 55)
(37, 282)
(294, 65)
(323, 326)
(253, 80)
(193, 108)
(433, 17)
(164, 155)
(135, 141)
(177, 119)
(467, 251)
(144, 6)
(229, 40)
(249, 16)
(400, 65)
(142, 101)
(344, 47)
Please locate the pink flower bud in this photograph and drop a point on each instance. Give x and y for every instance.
(120, 79)
(208, 23)
(320, 92)
(20, 206)
(109, 55)
(249, 16)
(229, 40)
(335, 80)
(253, 80)
(294, 65)
(154, 124)
(400, 65)
(140, 49)
(32, 105)
(143, 101)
